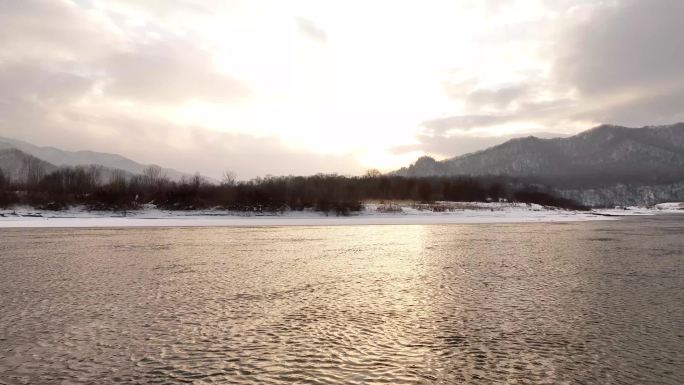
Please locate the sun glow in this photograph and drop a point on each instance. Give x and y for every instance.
(352, 84)
(361, 86)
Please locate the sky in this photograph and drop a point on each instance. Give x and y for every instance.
(281, 87)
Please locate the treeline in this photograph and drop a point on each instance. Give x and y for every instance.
(328, 193)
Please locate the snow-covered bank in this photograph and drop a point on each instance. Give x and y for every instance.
(662, 208)
(373, 214)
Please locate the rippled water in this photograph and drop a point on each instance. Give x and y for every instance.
(592, 302)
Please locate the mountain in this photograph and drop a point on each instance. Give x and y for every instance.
(604, 154)
(18, 166)
(59, 157)
(604, 166)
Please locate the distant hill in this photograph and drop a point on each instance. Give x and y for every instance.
(604, 154)
(59, 157)
(20, 167)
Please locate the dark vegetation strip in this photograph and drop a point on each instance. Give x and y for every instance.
(328, 193)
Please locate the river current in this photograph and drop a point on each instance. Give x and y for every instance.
(562, 303)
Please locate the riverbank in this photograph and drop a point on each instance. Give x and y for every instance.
(372, 214)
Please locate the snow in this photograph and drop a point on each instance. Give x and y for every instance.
(373, 214)
(670, 206)
(661, 208)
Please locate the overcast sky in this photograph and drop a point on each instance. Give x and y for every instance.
(298, 87)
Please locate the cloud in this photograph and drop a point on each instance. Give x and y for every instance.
(212, 153)
(631, 44)
(64, 71)
(149, 140)
(500, 97)
(626, 59)
(616, 62)
(463, 122)
(96, 72)
(455, 145)
(548, 112)
(662, 106)
(45, 30)
(168, 71)
(41, 81)
(311, 30)
(58, 39)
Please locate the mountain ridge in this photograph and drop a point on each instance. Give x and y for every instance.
(606, 149)
(59, 157)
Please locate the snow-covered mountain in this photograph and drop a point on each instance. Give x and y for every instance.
(59, 157)
(606, 165)
(647, 154)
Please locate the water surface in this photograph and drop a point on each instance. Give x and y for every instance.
(583, 302)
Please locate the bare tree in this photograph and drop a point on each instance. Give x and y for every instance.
(372, 173)
(197, 180)
(35, 171)
(153, 176)
(118, 179)
(95, 175)
(228, 178)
